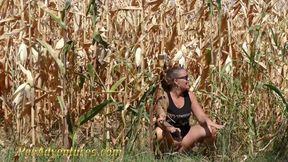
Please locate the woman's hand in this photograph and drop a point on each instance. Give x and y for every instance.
(160, 120)
(172, 129)
(211, 125)
(163, 123)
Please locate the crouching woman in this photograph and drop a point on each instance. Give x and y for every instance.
(175, 106)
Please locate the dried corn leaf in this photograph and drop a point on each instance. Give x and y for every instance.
(54, 54)
(52, 15)
(19, 89)
(60, 44)
(28, 74)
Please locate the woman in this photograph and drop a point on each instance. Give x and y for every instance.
(175, 107)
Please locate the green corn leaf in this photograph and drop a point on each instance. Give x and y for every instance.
(68, 46)
(52, 15)
(116, 85)
(61, 103)
(66, 9)
(149, 92)
(89, 6)
(219, 5)
(81, 80)
(58, 20)
(140, 114)
(208, 56)
(92, 73)
(92, 112)
(93, 10)
(91, 70)
(250, 57)
(210, 5)
(98, 39)
(278, 92)
(74, 139)
(70, 123)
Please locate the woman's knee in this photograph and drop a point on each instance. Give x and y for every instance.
(194, 134)
(199, 131)
(158, 133)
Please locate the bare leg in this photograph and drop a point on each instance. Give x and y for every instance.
(159, 133)
(195, 133)
(166, 140)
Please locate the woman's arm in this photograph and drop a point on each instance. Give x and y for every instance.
(161, 107)
(197, 110)
(200, 114)
(161, 110)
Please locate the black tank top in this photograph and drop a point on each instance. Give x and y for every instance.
(179, 117)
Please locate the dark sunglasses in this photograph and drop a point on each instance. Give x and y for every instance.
(183, 77)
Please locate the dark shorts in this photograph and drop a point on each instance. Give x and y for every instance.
(184, 130)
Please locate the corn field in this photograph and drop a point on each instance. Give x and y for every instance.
(84, 73)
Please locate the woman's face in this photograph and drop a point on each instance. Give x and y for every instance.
(182, 81)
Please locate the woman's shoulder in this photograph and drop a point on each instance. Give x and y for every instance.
(161, 94)
(191, 94)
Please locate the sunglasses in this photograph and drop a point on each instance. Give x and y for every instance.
(183, 77)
